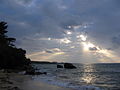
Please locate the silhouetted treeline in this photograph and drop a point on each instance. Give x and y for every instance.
(43, 62)
(10, 56)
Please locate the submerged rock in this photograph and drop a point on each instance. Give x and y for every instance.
(30, 72)
(69, 66)
(39, 73)
(33, 72)
(13, 88)
(59, 66)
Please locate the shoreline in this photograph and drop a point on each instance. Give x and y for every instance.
(15, 81)
(39, 85)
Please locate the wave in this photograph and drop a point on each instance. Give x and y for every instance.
(53, 81)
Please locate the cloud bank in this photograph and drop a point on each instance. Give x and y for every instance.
(43, 25)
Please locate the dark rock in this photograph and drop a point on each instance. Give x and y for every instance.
(69, 66)
(33, 72)
(39, 73)
(59, 66)
(45, 73)
(10, 70)
(14, 88)
(30, 72)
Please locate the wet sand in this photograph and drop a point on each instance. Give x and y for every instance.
(42, 86)
(14, 81)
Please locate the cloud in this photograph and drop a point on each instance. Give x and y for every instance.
(54, 50)
(51, 19)
(24, 1)
(50, 54)
(48, 51)
(93, 49)
(43, 25)
(116, 42)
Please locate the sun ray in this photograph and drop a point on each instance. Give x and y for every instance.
(90, 47)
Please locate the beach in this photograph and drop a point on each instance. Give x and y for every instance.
(85, 77)
(15, 81)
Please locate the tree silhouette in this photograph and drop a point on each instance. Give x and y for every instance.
(5, 40)
(10, 56)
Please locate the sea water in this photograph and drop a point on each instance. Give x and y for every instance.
(85, 77)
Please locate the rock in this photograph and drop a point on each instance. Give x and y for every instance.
(59, 66)
(33, 72)
(69, 66)
(30, 72)
(14, 88)
(11, 70)
(39, 73)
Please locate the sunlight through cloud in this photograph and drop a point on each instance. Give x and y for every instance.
(68, 32)
(65, 40)
(82, 37)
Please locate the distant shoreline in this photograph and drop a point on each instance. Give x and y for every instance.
(47, 62)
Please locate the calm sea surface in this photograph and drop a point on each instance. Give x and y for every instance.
(85, 77)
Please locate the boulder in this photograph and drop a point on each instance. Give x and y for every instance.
(59, 66)
(30, 72)
(39, 73)
(33, 72)
(69, 66)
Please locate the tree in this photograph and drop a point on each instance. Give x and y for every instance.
(10, 56)
(3, 28)
(5, 40)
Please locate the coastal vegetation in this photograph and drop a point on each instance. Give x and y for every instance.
(11, 57)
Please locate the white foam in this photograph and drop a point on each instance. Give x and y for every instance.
(52, 80)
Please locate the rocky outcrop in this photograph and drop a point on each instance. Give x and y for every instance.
(59, 66)
(69, 66)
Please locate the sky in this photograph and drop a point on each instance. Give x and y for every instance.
(78, 31)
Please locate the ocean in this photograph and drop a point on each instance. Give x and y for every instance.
(85, 77)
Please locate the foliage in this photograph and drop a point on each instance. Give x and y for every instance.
(10, 56)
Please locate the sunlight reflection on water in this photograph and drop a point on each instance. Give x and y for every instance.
(104, 76)
(88, 77)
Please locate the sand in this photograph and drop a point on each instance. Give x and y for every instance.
(42, 86)
(14, 81)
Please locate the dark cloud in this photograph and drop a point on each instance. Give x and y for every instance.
(53, 50)
(48, 51)
(24, 1)
(51, 17)
(116, 42)
(93, 49)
